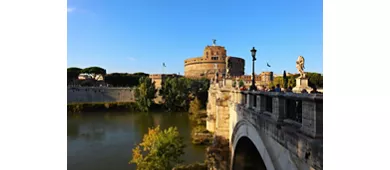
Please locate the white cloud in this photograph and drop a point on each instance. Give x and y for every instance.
(71, 9)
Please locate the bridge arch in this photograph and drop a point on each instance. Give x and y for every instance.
(246, 139)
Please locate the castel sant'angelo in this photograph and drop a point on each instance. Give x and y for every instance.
(215, 59)
(212, 61)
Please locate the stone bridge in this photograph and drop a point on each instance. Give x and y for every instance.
(266, 130)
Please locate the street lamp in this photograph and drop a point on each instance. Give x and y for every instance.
(253, 86)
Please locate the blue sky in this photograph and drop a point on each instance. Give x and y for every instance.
(139, 35)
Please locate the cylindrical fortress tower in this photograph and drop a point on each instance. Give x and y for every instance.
(213, 60)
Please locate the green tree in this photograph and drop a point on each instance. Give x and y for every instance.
(159, 150)
(122, 79)
(315, 79)
(277, 80)
(285, 80)
(141, 74)
(145, 93)
(73, 73)
(291, 80)
(241, 83)
(176, 93)
(199, 89)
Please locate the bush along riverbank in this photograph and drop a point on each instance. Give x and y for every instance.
(200, 135)
(75, 108)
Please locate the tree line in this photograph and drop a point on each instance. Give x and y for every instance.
(114, 79)
(176, 92)
(315, 80)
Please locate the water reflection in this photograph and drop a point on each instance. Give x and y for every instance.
(104, 141)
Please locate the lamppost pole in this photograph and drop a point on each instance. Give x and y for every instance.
(253, 86)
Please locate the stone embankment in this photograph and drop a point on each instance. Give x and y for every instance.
(99, 94)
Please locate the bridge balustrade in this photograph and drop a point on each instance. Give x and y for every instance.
(303, 111)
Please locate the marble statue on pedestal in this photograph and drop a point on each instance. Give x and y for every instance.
(300, 65)
(302, 82)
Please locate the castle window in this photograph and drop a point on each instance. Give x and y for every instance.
(214, 58)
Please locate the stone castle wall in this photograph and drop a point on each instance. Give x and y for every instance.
(204, 66)
(92, 95)
(238, 66)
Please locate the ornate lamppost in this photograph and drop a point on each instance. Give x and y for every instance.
(253, 86)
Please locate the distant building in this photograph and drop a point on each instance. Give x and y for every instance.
(84, 77)
(98, 77)
(263, 78)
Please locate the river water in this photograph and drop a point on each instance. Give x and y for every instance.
(104, 141)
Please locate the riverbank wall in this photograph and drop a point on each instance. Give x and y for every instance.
(99, 94)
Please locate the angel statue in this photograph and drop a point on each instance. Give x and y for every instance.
(301, 66)
(228, 66)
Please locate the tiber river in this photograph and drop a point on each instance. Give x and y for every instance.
(104, 141)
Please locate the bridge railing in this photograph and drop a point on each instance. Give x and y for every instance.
(303, 111)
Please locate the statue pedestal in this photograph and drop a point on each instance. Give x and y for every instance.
(302, 83)
(228, 82)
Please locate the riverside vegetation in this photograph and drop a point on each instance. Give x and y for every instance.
(161, 149)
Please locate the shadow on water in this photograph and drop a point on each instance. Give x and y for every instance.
(105, 140)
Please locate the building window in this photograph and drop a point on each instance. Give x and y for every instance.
(214, 58)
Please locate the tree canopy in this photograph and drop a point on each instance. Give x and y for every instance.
(159, 150)
(241, 83)
(140, 74)
(73, 73)
(94, 70)
(315, 80)
(122, 79)
(177, 92)
(145, 93)
(285, 80)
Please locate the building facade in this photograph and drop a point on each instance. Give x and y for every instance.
(262, 79)
(213, 60)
